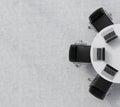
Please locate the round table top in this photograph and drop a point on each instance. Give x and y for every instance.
(112, 53)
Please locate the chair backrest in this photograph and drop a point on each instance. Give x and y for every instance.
(99, 87)
(79, 53)
(73, 53)
(99, 19)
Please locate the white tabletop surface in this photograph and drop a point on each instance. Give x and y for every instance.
(112, 53)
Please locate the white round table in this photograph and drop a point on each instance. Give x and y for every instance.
(112, 53)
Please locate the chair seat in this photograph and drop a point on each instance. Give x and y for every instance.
(103, 22)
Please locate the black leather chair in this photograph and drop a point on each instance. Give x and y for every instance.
(99, 87)
(99, 19)
(79, 53)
